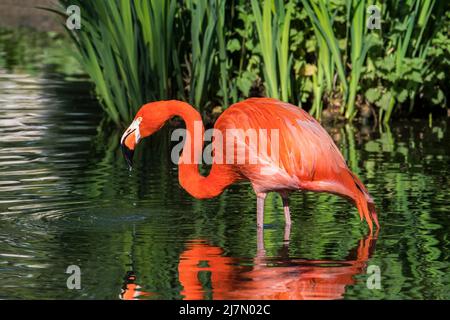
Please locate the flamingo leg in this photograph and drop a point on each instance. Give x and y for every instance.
(287, 218)
(260, 251)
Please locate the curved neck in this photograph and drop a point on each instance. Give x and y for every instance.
(190, 179)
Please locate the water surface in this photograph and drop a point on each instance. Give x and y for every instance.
(66, 198)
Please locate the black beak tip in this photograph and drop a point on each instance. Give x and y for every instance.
(128, 155)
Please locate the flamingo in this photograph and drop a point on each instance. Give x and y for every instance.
(308, 158)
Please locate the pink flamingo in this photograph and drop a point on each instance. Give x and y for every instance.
(308, 158)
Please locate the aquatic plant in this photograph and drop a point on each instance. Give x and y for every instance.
(314, 53)
(273, 34)
(406, 65)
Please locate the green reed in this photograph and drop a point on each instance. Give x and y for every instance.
(212, 52)
(332, 59)
(410, 46)
(145, 50)
(273, 28)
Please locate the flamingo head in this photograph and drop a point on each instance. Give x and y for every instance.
(149, 119)
(130, 139)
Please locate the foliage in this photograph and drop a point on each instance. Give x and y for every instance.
(313, 53)
(273, 35)
(405, 66)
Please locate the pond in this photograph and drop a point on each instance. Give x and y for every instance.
(67, 198)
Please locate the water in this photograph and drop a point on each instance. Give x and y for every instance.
(66, 198)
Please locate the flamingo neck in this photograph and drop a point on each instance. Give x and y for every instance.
(190, 179)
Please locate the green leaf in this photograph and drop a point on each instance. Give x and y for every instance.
(402, 95)
(384, 101)
(373, 94)
(233, 45)
(438, 98)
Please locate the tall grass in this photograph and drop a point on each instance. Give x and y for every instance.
(223, 59)
(203, 31)
(211, 52)
(361, 42)
(326, 65)
(125, 47)
(156, 19)
(410, 45)
(273, 28)
(407, 36)
(332, 60)
(321, 20)
(145, 50)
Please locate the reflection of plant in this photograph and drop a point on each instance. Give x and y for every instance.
(409, 198)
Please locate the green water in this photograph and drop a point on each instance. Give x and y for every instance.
(66, 198)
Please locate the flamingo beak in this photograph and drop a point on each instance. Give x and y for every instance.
(128, 155)
(129, 141)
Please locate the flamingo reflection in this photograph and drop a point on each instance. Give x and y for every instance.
(203, 271)
(130, 289)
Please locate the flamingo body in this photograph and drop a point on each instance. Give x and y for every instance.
(307, 153)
